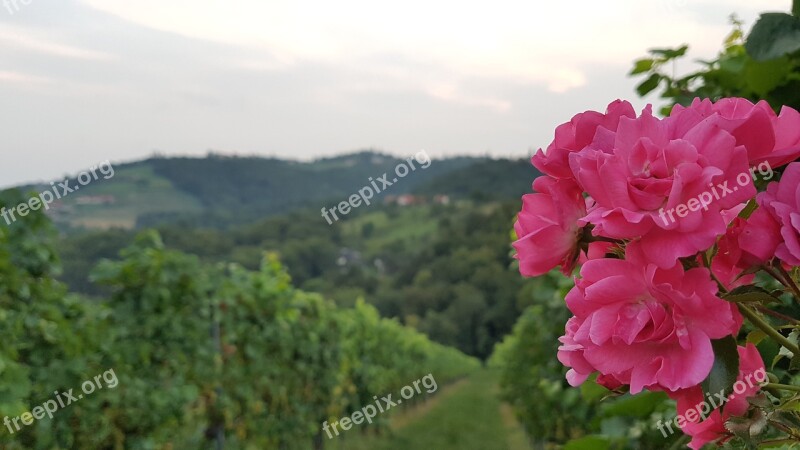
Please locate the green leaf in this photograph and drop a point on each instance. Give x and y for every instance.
(591, 391)
(733, 65)
(774, 35)
(750, 294)
(648, 85)
(764, 76)
(666, 110)
(787, 414)
(734, 38)
(756, 336)
(669, 53)
(726, 366)
(793, 337)
(637, 406)
(642, 66)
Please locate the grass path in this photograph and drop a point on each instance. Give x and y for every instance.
(464, 416)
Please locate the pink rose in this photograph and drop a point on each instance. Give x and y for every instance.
(787, 138)
(571, 354)
(745, 245)
(728, 263)
(782, 201)
(766, 136)
(609, 382)
(664, 183)
(576, 134)
(643, 325)
(751, 374)
(547, 227)
(759, 238)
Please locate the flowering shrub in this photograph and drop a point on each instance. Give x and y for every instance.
(658, 304)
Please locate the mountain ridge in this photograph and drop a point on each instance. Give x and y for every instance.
(222, 190)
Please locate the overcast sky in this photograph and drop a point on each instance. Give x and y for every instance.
(82, 81)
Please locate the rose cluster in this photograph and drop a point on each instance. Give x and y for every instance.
(647, 303)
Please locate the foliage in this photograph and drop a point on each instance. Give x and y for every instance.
(50, 337)
(439, 268)
(205, 354)
(223, 191)
(765, 66)
(499, 179)
(238, 190)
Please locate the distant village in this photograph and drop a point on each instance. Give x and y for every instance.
(59, 209)
(410, 200)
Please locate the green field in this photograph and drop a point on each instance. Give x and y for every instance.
(136, 190)
(410, 225)
(464, 416)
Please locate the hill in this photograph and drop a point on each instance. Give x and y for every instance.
(492, 179)
(220, 191)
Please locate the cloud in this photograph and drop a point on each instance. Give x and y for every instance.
(451, 93)
(545, 43)
(21, 78)
(30, 39)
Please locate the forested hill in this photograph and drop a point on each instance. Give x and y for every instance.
(493, 179)
(219, 191)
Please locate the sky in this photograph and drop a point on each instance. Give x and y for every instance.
(84, 81)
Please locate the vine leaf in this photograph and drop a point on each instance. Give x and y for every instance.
(774, 35)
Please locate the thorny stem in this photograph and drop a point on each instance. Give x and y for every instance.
(775, 442)
(774, 274)
(784, 280)
(789, 281)
(782, 387)
(785, 429)
(756, 320)
(777, 315)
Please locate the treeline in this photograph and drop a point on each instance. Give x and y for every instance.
(443, 269)
(230, 191)
(206, 355)
(237, 190)
(494, 179)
